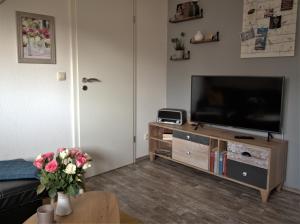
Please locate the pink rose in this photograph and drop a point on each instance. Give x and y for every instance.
(80, 160)
(60, 150)
(52, 166)
(39, 162)
(49, 156)
(74, 151)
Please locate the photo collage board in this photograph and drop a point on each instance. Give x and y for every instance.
(269, 28)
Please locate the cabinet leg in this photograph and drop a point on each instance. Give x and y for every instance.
(264, 195)
(279, 187)
(152, 156)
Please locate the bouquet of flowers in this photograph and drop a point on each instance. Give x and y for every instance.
(35, 30)
(62, 172)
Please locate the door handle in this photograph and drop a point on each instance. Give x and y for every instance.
(90, 80)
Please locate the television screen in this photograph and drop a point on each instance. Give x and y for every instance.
(242, 102)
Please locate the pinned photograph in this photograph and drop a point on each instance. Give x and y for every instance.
(275, 22)
(260, 43)
(269, 13)
(261, 40)
(251, 11)
(287, 5)
(262, 32)
(247, 35)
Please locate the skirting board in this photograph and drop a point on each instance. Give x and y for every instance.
(140, 159)
(293, 190)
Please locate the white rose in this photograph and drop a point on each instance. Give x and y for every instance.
(70, 169)
(87, 165)
(67, 161)
(64, 154)
(38, 157)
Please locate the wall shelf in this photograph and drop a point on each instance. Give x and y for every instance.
(216, 38)
(200, 16)
(186, 57)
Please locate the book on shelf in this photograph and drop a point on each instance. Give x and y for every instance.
(218, 162)
(212, 161)
(220, 172)
(167, 137)
(223, 163)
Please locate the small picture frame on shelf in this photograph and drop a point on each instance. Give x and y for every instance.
(187, 11)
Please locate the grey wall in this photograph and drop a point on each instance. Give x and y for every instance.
(223, 58)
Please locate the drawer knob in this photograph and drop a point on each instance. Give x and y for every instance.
(244, 174)
(247, 154)
(188, 137)
(188, 153)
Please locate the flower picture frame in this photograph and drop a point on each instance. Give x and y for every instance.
(36, 38)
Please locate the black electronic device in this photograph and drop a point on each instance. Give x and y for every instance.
(171, 116)
(242, 102)
(243, 137)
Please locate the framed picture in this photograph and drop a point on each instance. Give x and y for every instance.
(36, 38)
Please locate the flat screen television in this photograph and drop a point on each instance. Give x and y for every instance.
(242, 102)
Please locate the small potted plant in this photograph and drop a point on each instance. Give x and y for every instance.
(179, 46)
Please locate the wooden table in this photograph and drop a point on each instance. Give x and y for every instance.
(90, 207)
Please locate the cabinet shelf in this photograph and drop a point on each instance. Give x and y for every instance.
(161, 140)
(163, 156)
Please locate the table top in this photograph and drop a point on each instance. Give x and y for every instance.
(90, 207)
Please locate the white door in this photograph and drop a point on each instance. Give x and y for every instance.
(105, 52)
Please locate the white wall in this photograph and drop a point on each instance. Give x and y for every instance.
(35, 109)
(151, 65)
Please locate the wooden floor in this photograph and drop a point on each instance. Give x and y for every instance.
(165, 192)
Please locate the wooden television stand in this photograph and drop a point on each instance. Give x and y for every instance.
(255, 163)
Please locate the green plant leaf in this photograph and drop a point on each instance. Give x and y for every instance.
(40, 188)
(73, 190)
(52, 192)
(44, 180)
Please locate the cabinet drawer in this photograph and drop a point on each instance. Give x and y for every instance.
(190, 153)
(262, 163)
(246, 173)
(256, 152)
(191, 137)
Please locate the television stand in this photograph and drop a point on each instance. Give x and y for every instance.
(254, 163)
(201, 125)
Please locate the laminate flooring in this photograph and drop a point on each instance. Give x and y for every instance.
(165, 192)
